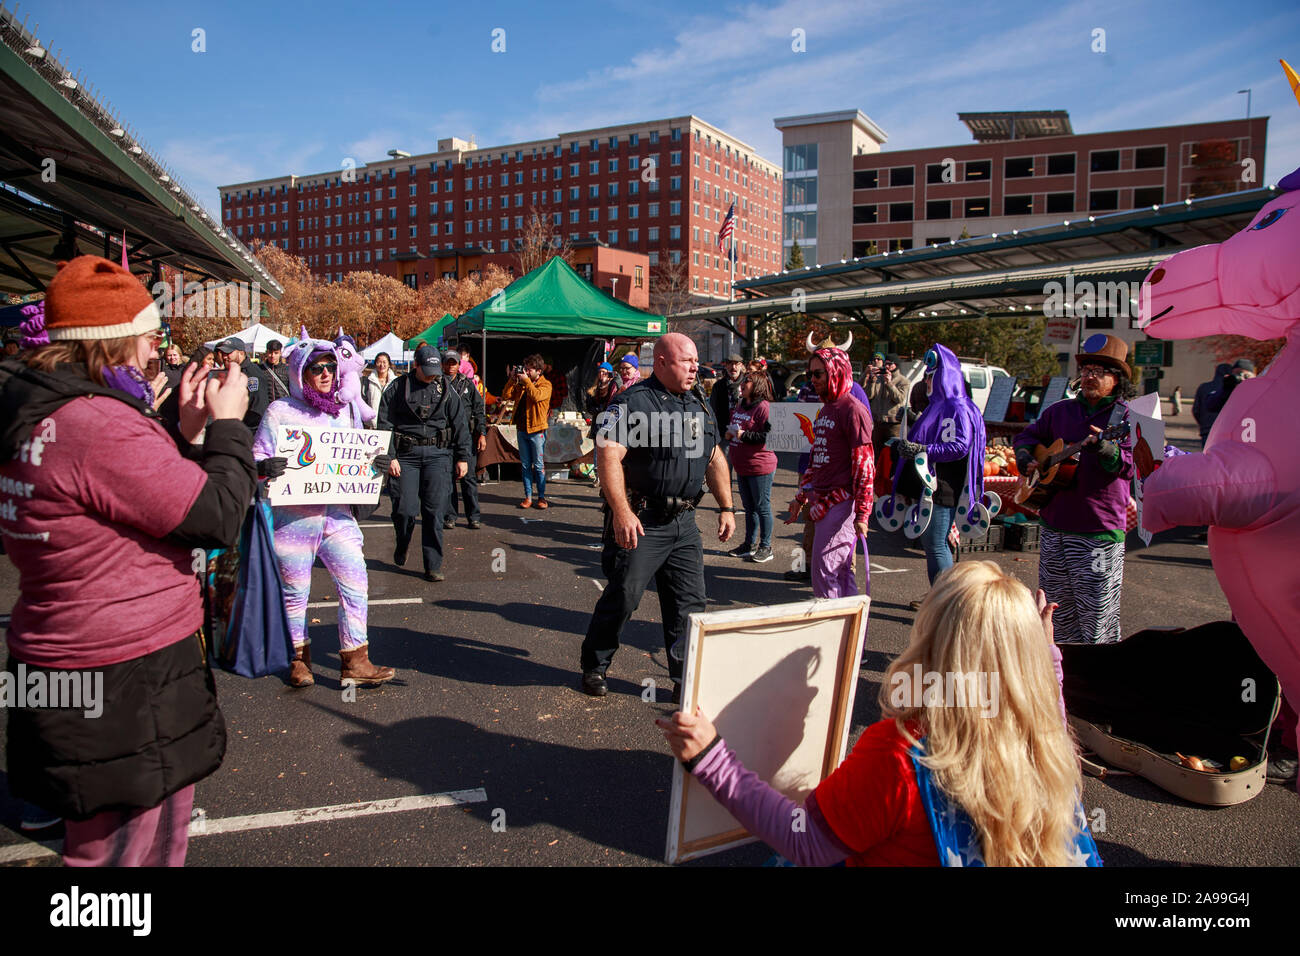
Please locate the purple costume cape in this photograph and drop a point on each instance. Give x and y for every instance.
(950, 442)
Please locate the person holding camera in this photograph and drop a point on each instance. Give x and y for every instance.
(887, 391)
(430, 432)
(531, 392)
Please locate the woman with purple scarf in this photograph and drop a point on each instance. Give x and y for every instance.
(951, 434)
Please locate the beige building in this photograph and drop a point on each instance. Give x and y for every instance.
(817, 208)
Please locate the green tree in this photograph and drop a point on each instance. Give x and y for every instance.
(796, 258)
(1013, 344)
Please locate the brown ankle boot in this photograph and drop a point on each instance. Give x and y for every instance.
(357, 668)
(300, 668)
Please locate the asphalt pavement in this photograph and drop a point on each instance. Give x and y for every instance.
(485, 752)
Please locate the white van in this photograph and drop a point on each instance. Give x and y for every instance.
(979, 377)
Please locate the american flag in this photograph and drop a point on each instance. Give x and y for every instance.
(728, 225)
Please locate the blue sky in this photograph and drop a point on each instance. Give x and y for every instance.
(297, 87)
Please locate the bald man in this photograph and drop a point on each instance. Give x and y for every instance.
(656, 444)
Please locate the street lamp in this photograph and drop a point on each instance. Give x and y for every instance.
(1247, 92)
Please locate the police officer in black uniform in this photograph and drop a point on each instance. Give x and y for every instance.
(651, 488)
(234, 350)
(430, 431)
(473, 402)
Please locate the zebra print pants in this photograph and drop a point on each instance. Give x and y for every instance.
(1085, 577)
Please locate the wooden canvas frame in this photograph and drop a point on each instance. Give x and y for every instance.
(743, 668)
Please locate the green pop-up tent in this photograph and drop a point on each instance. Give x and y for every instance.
(555, 300)
(553, 303)
(432, 334)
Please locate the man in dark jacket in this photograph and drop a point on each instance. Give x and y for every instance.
(259, 390)
(464, 386)
(1209, 400)
(726, 391)
(277, 373)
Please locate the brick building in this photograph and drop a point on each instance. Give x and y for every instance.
(1024, 169)
(659, 188)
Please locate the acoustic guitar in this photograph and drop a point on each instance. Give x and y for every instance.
(1057, 464)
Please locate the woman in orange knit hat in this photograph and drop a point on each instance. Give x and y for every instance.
(108, 510)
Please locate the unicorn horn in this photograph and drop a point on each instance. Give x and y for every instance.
(1291, 78)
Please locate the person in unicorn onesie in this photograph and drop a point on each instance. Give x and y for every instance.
(1246, 483)
(330, 532)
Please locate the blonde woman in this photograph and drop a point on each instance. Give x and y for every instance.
(984, 773)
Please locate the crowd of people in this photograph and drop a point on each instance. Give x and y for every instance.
(205, 431)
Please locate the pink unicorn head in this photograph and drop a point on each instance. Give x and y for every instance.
(1246, 285)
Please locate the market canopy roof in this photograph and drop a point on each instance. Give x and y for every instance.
(71, 171)
(998, 275)
(433, 333)
(555, 300)
(390, 344)
(257, 336)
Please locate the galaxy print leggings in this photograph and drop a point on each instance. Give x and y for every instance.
(301, 534)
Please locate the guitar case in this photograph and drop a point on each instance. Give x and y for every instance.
(1200, 692)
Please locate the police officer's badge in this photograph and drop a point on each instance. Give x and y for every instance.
(253, 383)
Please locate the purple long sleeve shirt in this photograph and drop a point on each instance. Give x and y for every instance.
(1098, 500)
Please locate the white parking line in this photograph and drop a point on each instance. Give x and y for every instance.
(881, 569)
(30, 850)
(371, 603)
(342, 811)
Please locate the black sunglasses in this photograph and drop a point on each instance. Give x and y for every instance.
(315, 368)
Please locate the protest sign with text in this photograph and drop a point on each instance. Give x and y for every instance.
(328, 466)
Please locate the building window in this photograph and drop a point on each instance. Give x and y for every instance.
(593, 215)
(593, 191)
(674, 232)
(801, 191)
(801, 157)
(653, 234)
(1105, 161)
(612, 213)
(979, 170)
(1148, 196)
(613, 165)
(1062, 164)
(934, 172)
(977, 208)
(675, 184)
(1101, 199)
(1060, 202)
(612, 189)
(674, 207)
(1149, 157)
(593, 168)
(1017, 205)
(1019, 167)
(899, 212)
(866, 178)
(573, 215)
(864, 214)
(939, 208)
(902, 176)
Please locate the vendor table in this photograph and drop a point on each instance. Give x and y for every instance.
(566, 444)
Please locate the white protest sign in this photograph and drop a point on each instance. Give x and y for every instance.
(791, 425)
(1148, 447)
(328, 466)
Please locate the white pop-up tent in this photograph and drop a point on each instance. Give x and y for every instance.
(390, 343)
(256, 337)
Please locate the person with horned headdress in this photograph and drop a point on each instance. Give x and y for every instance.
(837, 487)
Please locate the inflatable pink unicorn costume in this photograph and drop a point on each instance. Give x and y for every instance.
(1246, 484)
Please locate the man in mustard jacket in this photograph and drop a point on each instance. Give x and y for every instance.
(531, 393)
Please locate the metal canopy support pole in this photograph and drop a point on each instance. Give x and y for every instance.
(887, 326)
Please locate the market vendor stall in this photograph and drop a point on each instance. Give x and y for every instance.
(555, 312)
(566, 444)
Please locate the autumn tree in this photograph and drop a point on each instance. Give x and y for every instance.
(670, 285)
(1229, 348)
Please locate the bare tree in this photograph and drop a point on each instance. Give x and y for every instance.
(670, 285)
(540, 242)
